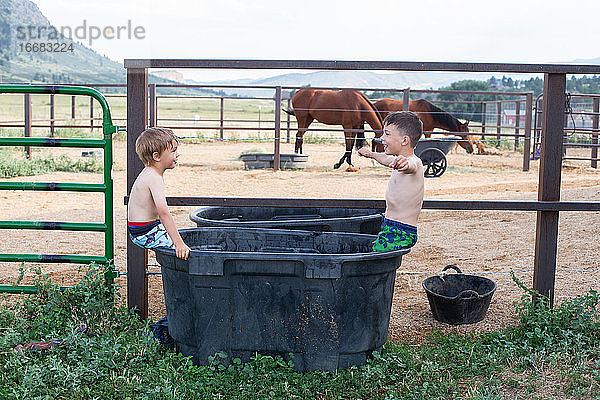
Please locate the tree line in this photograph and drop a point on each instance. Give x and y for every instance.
(473, 111)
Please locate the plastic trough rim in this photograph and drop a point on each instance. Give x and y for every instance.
(265, 223)
(287, 256)
(491, 292)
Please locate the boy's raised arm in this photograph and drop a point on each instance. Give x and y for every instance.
(157, 189)
(381, 158)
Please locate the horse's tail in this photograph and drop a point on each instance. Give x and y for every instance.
(291, 112)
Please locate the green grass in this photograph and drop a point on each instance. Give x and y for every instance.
(551, 353)
(13, 164)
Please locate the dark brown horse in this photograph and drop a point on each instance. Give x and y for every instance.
(348, 108)
(433, 117)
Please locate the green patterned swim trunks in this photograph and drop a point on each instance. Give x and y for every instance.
(395, 235)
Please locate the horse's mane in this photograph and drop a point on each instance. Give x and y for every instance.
(373, 108)
(442, 117)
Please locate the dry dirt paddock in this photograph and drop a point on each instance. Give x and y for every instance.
(477, 241)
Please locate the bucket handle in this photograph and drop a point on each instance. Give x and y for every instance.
(452, 266)
(468, 295)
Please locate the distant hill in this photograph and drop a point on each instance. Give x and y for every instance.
(368, 79)
(19, 65)
(80, 66)
(356, 79)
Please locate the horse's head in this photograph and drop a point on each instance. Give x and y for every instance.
(466, 143)
(472, 140)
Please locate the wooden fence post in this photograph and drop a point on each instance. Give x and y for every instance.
(527, 139)
(546, 235)
(288, 120)
(595, 119)
(27, 125)
(498, 121)
(517, 122)
(51, 115)
(137, 118)
(483, 115)
(72, 107)
(276, 153)
(221, 118)
(152, 102)
(539, 112)
(406, 99)
(91, 114)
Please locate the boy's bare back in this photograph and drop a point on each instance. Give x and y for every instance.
(147, 193)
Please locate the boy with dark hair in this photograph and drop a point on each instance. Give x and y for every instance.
(404, 196)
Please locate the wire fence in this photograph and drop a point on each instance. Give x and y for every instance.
(501, 123)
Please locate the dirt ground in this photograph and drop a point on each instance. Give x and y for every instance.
(479, 242)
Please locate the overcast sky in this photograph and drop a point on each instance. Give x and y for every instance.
(528, 31)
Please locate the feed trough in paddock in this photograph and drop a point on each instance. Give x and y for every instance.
(265, 160)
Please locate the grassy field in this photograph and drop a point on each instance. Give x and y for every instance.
(191, 112)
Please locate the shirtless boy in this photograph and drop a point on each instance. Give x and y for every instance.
(149, 222)
(404, 195)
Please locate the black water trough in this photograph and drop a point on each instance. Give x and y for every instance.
(459, 298)
(327, 219)
(323, 297)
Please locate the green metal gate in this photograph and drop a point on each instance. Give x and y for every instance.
(106, 187)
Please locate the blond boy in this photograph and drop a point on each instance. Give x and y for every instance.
(404, 195)
(149, 222)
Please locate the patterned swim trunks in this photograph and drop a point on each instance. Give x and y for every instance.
(395, 235)
(149, 234)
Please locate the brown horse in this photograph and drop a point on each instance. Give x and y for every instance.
(348, 108)
(432, 117)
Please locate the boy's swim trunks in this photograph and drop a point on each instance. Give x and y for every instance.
(395, 235)
(149, 234)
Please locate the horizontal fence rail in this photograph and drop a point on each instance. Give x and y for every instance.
(362, 65)
(377, 204)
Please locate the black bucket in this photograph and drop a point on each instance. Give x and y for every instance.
(323, 219)
(459, 298)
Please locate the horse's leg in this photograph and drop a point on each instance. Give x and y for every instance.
(303, 124)
(339, 163)
(350, 139)
(358, 139)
